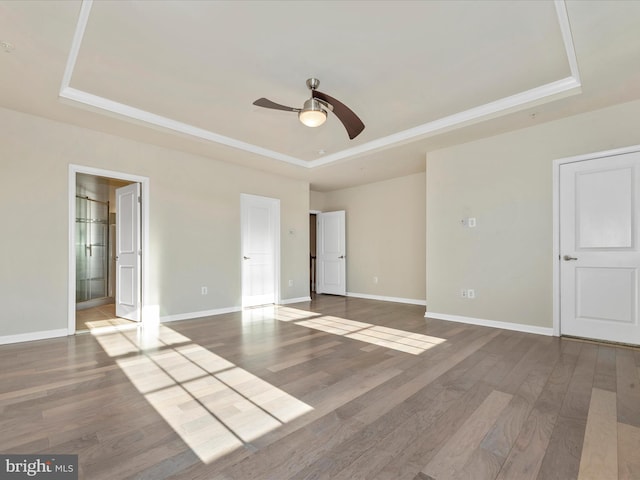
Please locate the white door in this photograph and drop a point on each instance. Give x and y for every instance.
(331, 253)
(128, 252)
(599, 255)
(260, 224)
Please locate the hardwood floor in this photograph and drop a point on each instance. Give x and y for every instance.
(339, 388)
(91, 317)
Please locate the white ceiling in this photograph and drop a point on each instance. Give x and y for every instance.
(421, 75)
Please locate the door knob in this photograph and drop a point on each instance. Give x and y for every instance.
(247, 258)
(341, 256)
(567, 258)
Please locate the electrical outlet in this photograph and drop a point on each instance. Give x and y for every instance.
(471, 293)
(471, 222)
(204, 290)
(463, 293)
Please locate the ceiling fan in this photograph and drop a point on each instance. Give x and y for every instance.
(314, 111)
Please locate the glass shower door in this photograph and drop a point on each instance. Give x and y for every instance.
(92, 249)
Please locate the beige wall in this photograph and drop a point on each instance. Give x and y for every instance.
(317, 200)
(503, 181)
(194, 221)
(385, 226)
(506, 183)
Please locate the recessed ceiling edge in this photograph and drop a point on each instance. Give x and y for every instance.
(535, 96)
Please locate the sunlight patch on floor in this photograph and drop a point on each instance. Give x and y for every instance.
(401, 340)
(213, 405)
(98, 327)
(286, 314)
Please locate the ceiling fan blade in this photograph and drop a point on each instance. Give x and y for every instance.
(263, 102)
(350, 120)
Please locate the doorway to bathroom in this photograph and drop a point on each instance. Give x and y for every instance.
(106, 252)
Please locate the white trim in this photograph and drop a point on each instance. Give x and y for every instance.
(567, 38)
(518, 327)
(556, 249)
(30, 337)
(81, 26)
(551, 91)
(133, 113)
(556, 218)
(602, 154)
(146, 262)
(194, 315)
(287, 301)
(410, 301)
(538, 95)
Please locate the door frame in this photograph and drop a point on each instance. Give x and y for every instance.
(145, 263)
(556, 219)
(274, 207)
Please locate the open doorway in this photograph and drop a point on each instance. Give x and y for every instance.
(312, 253)
(99, 221)
(95, 248)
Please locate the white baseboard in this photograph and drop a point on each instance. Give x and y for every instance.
(287, 301)
(204, 313)
(519, 327)
(31, 336)
(410, 301)
(220, 311)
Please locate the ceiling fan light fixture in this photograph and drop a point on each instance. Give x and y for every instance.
(312, 114)
(314, 111)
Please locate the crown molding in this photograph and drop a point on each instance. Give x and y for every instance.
(129, 112)
(535, 96)
(567, 38)
(545, 93)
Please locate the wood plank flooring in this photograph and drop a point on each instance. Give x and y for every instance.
(336, 388)
(86, 319)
